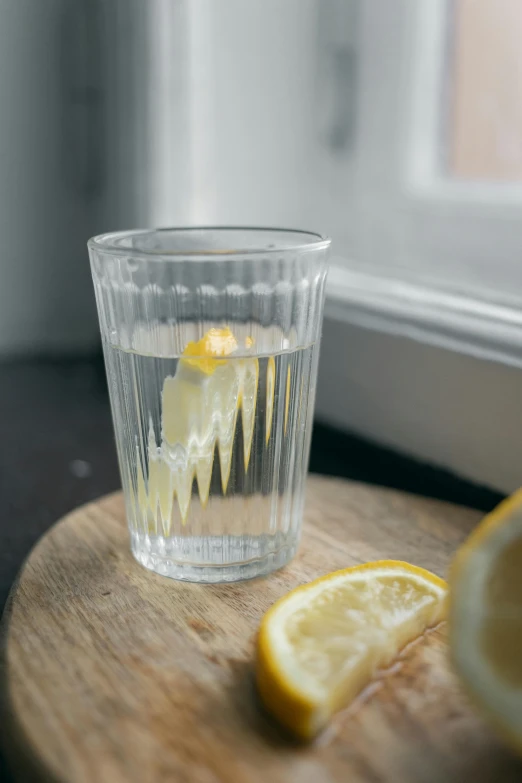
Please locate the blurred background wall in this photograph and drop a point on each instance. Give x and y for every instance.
(393, 126)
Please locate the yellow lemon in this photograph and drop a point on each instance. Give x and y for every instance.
(486, 617)
(321, 644)
(200, 404)
(203, 354)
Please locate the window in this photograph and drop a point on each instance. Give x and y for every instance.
(485, 125)
(437, 245)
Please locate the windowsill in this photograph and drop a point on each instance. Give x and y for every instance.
(447, 408)
(462, 323)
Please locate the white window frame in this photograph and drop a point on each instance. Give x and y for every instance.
(425, 177)
(458, 278)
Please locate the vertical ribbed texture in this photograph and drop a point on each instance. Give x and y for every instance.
(196, 509)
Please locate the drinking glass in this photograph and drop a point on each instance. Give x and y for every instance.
(211, 337)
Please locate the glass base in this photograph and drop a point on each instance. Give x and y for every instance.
(213, 559)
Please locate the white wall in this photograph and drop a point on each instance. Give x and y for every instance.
(448, 409)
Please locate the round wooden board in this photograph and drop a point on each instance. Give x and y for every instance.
(116, 675)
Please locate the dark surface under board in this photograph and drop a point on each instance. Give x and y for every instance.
(57, 452)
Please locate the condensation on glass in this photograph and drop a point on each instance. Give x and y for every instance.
(211, 339)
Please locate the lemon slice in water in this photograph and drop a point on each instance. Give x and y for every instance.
(200, 406)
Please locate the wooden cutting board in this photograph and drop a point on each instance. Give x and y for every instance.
(114, 675)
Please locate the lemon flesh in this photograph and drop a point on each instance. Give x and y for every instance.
(486, 617)
(200, 406)
(320, 645)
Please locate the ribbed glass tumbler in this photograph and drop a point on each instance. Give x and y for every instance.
(210, 338)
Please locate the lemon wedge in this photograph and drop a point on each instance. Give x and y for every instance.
(486, 617)
(322, 643)
(200, 405)
(204, 354)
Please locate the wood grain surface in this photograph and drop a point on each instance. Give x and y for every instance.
(115, 675)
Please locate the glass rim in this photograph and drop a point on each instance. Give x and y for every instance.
(109, 242)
